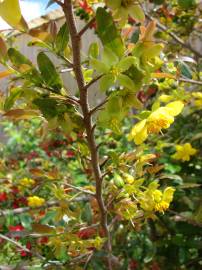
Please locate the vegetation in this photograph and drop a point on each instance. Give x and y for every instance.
(117, 185)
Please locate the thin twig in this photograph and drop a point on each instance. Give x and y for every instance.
(20, 246)
(80, 189)
(180, 217)
(93, 81)
(92, 111)
(21, 210)
(86, 27)
(190, 81)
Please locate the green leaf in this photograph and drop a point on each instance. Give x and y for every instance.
(99, 66)
(48, 71)
(125, 63)
(118, 181)
(153, 51)
(109, 58)
(186, 4)
(126, 82)
(135, 36)
(11, 13)
(185, 70)
(62, 38)
(17, 58)
(137, 13)
(14, 95)
(108, 32)
(50, 216)
(26, 220)
(106, 82)
(93, 50)
(50, 2)
(48, 107)
(87, 214)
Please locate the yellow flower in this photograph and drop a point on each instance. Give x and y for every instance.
(184, 151)
(124, 8)
(27, 182)
(159, 119)
(129, 179)
(154, 199)
(35, 201)
(198, 98)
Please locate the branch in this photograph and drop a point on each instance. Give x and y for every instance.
(179, 217)
(58, 2)
(93, 81)
(20, 246)
(86, 27)
(174, 36)
(21, 210)
(80, 189)
(92, 111)
(87, 118)
(190, 81)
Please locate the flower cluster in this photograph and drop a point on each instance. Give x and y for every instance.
(184, 152)
(159, 119)
(27, 182)
(156, 200)
(35, 201)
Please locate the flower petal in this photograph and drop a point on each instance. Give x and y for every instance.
(175, 107)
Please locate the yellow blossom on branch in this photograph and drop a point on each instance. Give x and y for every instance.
(154, 199)
(198, 99)
(159, 119)
(35, 201)
(184, 152)
(27, 182)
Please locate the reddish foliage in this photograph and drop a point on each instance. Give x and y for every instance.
(133, 265)
(86, 233)
(3, 196)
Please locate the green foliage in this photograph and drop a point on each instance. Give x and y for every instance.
(69, 175)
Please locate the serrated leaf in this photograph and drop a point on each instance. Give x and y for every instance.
(48, 71)
(108, 32)
(62, 38)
